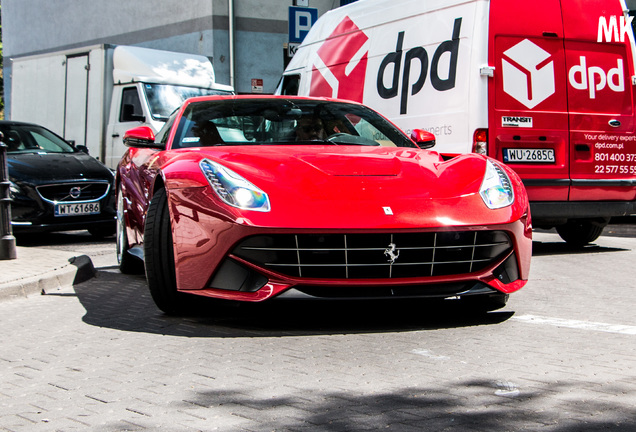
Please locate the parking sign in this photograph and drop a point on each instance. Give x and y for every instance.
(300, 21)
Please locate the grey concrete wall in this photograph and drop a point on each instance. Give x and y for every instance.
(36, 26)
(196, 26)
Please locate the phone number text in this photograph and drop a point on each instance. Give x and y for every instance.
(614, 169)
(615, 157)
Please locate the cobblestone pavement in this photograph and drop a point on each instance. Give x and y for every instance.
(560, 357)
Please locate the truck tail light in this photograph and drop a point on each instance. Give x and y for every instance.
(480, 141)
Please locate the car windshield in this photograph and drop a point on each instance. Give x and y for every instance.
(33, 139)
(163, 99)
(284, 122)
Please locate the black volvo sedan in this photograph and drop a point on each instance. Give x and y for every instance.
(55, 186)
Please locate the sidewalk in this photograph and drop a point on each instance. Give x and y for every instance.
(40, 270)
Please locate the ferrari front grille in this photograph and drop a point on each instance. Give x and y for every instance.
(375, 256)
(74, 191)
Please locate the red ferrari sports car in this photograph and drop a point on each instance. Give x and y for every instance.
(249, 198)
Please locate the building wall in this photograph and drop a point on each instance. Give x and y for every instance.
(196, 26)
(37, 26)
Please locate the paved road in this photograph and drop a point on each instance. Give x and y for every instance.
(560, 357)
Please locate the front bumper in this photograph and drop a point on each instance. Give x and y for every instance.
(214, 269)
(103, 223)
(31, 213)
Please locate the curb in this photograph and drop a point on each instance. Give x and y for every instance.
(79, 269)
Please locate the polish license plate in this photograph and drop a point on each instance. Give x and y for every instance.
(528, 155)
(79, 209)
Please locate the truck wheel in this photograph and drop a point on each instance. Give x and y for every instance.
(159, 256)
(579, 232)
(128, 264)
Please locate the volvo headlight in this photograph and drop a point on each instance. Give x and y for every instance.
(14, 190)
(496, 189)
(233, 189)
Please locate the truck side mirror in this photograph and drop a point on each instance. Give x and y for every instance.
(424, 139)
(128, 114)
(141, 137)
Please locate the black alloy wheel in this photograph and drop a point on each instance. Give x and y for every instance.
(159, 256)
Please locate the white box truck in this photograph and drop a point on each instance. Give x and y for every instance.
(92, 95)
(546, 86)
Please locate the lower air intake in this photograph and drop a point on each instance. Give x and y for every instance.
(375, 256)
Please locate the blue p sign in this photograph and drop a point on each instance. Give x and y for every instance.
(300, 21)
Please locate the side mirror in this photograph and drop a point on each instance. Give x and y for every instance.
(82, 148)
(128, 114)
(141, 137)
(424, 139)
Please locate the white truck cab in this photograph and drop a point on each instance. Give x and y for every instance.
(92, 95)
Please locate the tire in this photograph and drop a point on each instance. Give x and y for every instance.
(128, 264)
(484, 303)
(579, 232)
(159, 256)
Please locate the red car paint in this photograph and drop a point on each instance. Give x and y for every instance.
(314, 188)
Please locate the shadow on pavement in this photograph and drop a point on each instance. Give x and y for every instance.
(122, 302)
(64, 238)
(469, 405)
(619, 227)
(562, 248)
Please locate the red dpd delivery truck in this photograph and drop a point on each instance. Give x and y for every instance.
(546, 86)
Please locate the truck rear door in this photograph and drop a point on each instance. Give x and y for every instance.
(599, 60)
(76, 100)
(528, 117)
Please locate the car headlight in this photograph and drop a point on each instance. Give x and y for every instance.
(496, 188)
(14, 190)
(233, 189)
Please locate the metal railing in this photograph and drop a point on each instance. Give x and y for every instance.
(7, 240)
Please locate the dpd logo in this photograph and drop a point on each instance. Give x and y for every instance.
(347, 59)
(392, 63)
(528, 73)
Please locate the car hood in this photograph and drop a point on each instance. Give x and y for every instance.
(350, 186)
(325, 172)
(42, 168)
